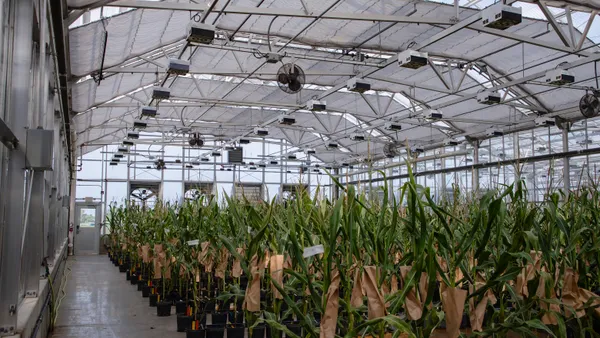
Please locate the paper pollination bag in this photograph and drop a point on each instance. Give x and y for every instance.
(528, 273)
(252, 297)
(477, 312)
(158, 249)
(329, 322)
(358, 292)
(276, 270)
(413, 305)
(375, 302)
(236, 269)
(146, 253)
(453, 304)
(223, 262)
(544, 292)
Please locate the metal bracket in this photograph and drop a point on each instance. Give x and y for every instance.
(7, 331)
(7, 137)
(31, 294)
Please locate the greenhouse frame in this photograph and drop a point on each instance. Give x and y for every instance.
(391, 168)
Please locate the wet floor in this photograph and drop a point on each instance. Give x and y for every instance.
(100, 303)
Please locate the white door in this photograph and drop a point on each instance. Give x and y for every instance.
(87, 229)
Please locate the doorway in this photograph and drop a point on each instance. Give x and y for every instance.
(87, 229)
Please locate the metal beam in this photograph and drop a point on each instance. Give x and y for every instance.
(586, 29)
(223, 72)
(276, 12)
(553, 23)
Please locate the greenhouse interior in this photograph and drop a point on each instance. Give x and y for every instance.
(299, 168)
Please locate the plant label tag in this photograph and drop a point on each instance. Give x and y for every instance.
(313, 250)
(193, 242)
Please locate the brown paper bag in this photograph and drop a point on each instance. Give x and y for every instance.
(329, 322)
(375, 301)
(586, 295)
(528, 273)
(146, 253)
(477, 313)
(158, 250)
(548, 318)
(252, 298)
(276, 269)
(223, 261)
(570, 294)
(236, 270)
(453, 304)
(356, 299)
(412, 304)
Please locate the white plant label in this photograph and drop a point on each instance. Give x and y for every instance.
(313, 250)
(193, 242)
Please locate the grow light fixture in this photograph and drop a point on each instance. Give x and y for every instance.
(412, 59)
(488, 97)
(316, 171)
(205, 159)
(244, 141)
(329, 167)
(492, 132)
(274, 57)
(354, 85)
(115, 159)
(149, 111)
(332, 145)
(309, 151)
(215, 154)
(113, 163)
(417, 149)
(161, 93)
(178, 67)
(559, 77)
(195, 163)
(315, 105)
(123, 150)
(286, 120)
(273, 162)
(344, 164)
(451, 142)
(201, 33)
(260, 131)
(117, 155)
(189, 166)
(148, 167)
(545, 122)
(356, 136)
(128, 143)
(433, 114)
(291, 157)
(501, 16)
(252, 168)
(139, 124)
(262, 165)
(391, 126)
(228, 169)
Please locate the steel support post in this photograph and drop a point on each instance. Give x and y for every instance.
(21, 18)
(475, 172)
(566, 164)
(336, 188)
(34, 240)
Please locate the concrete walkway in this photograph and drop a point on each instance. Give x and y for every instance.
(100, 303)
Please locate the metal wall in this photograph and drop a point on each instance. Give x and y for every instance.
(33, 218)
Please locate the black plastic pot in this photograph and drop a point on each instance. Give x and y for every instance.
(195, 333)
(208, 306)
(145, 291)
(153, 299)
(237, 317)
(215, 332)
(236, 332)
(133, 279)
(181, 306)
(219, 318)
(123, 268)
(295, 328)
(128, 275)
(257, 332)
(184, 323)
(141, 283)
(163, 309)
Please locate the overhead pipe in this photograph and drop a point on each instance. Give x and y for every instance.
(411, 161)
